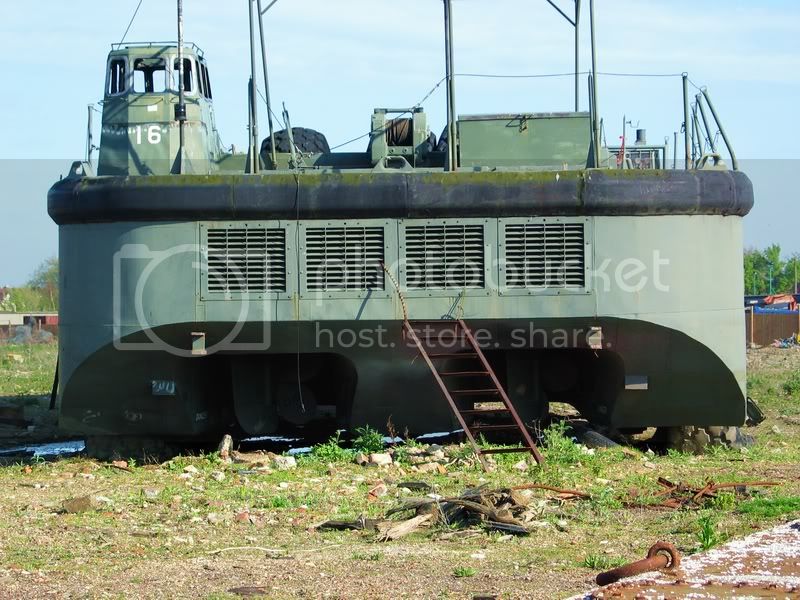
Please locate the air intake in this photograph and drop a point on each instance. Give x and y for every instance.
(246, 260)
(341, 259)
(545, 255)
(442, 257)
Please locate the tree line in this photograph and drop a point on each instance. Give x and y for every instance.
(766, 273)
(40, 294)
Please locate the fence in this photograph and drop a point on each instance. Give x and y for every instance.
(763, 328)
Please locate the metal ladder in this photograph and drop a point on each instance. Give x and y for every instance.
(463, 349)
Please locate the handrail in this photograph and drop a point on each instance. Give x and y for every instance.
(192, 45)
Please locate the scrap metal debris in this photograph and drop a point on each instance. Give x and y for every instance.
(511, 511)
(763, 565)
(682, 495)
(662, 555)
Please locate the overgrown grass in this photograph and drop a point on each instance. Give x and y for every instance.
(31, 377)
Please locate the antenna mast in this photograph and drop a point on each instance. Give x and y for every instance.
(452, 131)
(180, 109)
(253, 159)
(261, 13)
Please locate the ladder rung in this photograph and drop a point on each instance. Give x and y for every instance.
(454, 355)
(464, 373)
(490, 392)
(504, 450)
(493, 427)
(484, 411)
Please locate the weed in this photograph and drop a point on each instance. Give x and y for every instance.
(707, 534)
(598, 562)
(373, 556)
(559, 447)
(791, 386)
(724, 501)
(368, 440)
(464, 572)
(332, 451)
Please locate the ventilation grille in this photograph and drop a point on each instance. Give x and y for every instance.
(444, 257)
(246, 260)
(542, 255)
(341, 259)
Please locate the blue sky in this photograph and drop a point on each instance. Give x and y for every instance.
(333, 61)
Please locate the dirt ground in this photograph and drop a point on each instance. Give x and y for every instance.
(198, 527)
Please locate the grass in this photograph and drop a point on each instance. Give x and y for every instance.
(141, 535)
(707, 534)
(464, 572)
(30, 378)
(368, 440)
(600, 562)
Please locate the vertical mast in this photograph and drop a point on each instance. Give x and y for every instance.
(253, 160)
(89, 135)
(577, 55)
(596, 123)
(266, 81)
(452, 132)
(180, 109)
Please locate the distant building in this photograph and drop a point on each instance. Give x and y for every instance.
(11, 319)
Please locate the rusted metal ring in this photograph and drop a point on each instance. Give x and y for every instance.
(666, 549)
(662, 555)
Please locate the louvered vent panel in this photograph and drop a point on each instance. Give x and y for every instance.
(245, 260)
(444, 257)
(341, 259)
(545, 255)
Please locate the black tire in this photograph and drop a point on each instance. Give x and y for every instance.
(590, 437)
(694, 440)
(305, 140)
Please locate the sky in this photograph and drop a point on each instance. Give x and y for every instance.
(333, 61)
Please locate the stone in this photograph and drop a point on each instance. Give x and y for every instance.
(225, 448)
(432, 467)
(284, 463)
(361, 459)
(378, 491)
(77, 505)
(218, 476)
(438, 455)
(521, 466)
(150, 493)
(380, 460)
(214, 518)
(191, 470)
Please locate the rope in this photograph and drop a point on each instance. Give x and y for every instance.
(133, 18)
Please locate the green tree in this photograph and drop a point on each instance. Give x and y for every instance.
(765, 272)
(44, 282)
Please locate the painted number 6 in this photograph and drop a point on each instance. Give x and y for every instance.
(154, 134)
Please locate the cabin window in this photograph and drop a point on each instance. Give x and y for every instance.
(201, 81)
(149, 76)
(188, 75)
(116, 77)
(204, 72)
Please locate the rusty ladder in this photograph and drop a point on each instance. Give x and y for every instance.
(473, 367)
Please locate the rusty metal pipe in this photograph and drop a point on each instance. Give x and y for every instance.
(662, 555)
